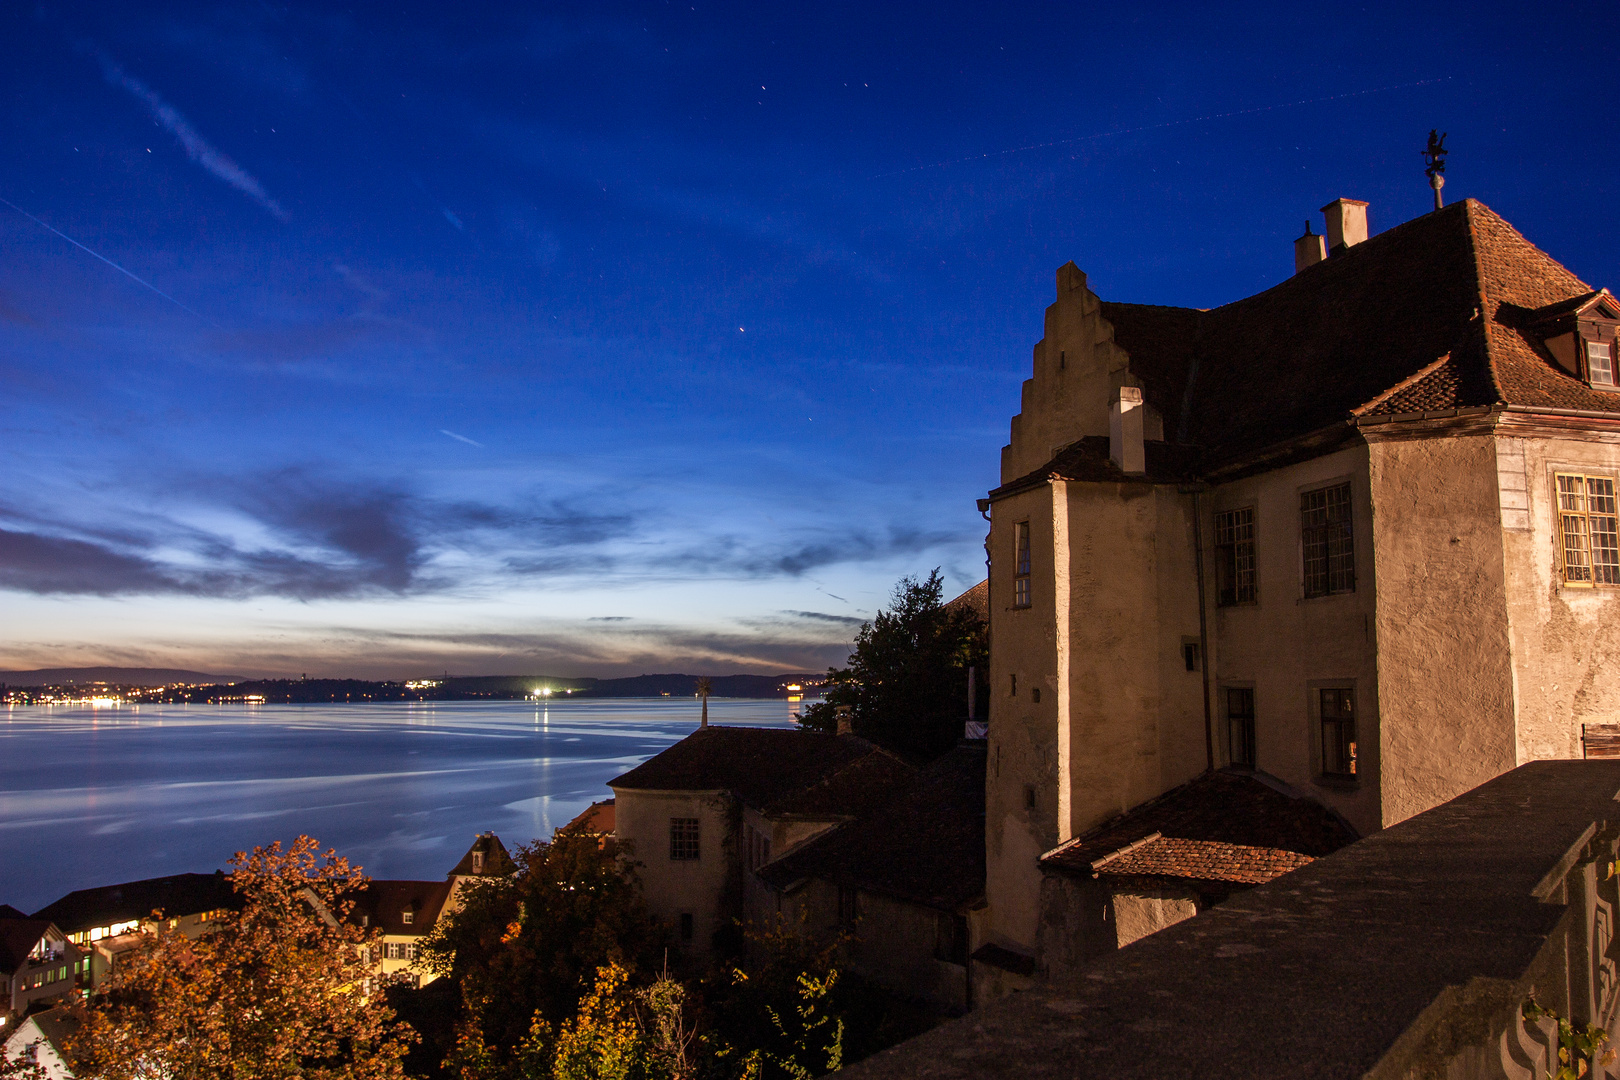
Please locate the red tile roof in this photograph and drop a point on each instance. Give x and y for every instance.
(384, 902)
(1223, 826)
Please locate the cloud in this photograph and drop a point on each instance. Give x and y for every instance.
(197, 148)
(31, 562)
(822, 616)
(461, 438)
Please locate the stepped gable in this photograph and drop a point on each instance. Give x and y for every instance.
(773, 770)
(924, 844)
(175, 895)
(1230, 825)
(1432, 314)
(383, 903)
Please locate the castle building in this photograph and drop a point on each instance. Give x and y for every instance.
(1356, 533)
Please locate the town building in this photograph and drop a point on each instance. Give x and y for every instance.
(702, 816)
(1357, 532)
(405, 912)
(38, 1041)
(37, 964)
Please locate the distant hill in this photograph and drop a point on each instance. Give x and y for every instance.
(737, 686)
(121, 676)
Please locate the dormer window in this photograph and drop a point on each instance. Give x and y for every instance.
(407, 916)
(1600, 363)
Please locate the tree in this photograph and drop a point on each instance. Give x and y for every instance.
(525, 950)
(906, 684)
(284, 988)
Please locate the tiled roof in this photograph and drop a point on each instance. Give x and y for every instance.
(774, 770)
(1236, 811)
(385, 902)
(1087, 459)
(975, 599)
(925, 843)
(496, 863)
(1370, 325)
(596, 819)
(1202, 860)
(176, 895)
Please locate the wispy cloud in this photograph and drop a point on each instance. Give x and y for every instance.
(199, 149)
(460, 438)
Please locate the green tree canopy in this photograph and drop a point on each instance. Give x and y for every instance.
(907, 680)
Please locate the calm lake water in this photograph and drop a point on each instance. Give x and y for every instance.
(93, 796)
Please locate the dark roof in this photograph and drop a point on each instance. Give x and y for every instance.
(385, 902)
(774, 770)
(975, 599)
(179, 894)
(58, 1026)
(497, 861)
(1232, 808)
(9, 912)
(1440, 308)
(17, 939)
(1087, 459)
(926, 844)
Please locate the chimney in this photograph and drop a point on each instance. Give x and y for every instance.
(1346, 224)
(1308, 250)
(1125, 430)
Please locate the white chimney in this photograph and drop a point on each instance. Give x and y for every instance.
(1308, 250)
(1346, 224)
(1125, 430)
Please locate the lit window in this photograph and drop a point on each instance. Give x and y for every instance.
(1234, 556)
(1021, 565)
(407, 916)
(1588, 527)
(685, 842)
(1599, 363)
(1328, 540)
(1338, 718)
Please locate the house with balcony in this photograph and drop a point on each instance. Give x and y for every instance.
(38, 964)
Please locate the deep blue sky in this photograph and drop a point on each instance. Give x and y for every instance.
(522, 338)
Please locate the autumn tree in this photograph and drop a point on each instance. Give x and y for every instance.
(525, 950)
(907, 680)
(285, 988)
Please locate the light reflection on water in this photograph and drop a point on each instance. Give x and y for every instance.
(92, 796)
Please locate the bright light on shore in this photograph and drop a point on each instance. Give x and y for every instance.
(542, 691)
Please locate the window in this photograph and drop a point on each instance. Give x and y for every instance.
(407, 916)
(849, 906)
(478, 862)
(1588, 526)
(684, 839)
(686, 926)
(1325, 533)
(1021, 564)
(1035, 694)
(1234, 557)
(759, 848)
(1599, 363)
(1240, 725)
(1014, 686)
(1029, 796)
(951, 939)
(1338, 718)
(1189, 656)
(410, 950)
(391, 951)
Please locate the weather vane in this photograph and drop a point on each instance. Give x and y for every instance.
(1435, 158)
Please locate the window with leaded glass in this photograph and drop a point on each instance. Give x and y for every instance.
(1240, 725)
(1328, 541)
(1337, 713)
(1587, 528)
(1021, 564)
(1234, 557)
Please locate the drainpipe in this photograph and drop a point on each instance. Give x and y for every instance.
(1203, 629)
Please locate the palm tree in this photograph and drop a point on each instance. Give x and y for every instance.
(703, 692)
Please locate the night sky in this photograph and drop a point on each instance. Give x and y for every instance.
(521, 338)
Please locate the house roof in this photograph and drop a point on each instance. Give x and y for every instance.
(1435, 314)
(497, 861)
(597, 819)
(385, 901)
(176, 895)
(774, 770)
(975, 599)
(924, 844)
(1230, 825)
(17, 939)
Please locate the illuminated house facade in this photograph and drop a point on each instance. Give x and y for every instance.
(1356, 534)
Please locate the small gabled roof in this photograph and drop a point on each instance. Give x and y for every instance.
(1232, 825)
(175, 895)
(18, 938)
(497, 862)
(385, 902)
(924, 844)
(597, 819)
(773, 770)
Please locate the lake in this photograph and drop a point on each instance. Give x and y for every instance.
(93, 796)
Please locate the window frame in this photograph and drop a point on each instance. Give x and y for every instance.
(1023, 562)
(1231, 549)
(1609, 382)
(1335, 535)
(685, 839)
(1342, 720)
(1233, 719)
(1606, 574)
